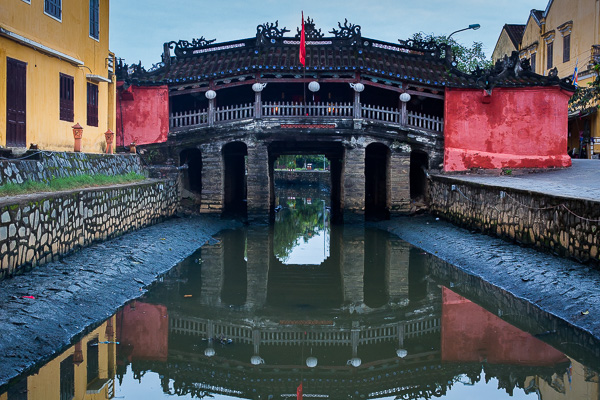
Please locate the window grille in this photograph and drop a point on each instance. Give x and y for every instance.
(92, 104)
(95, 19)
(549, 54)
(53, 8)
(566, 48)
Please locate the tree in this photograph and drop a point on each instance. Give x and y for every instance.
(468, 59)
(586, 99)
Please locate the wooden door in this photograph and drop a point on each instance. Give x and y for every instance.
(16, 104)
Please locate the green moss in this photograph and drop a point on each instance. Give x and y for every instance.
(68, 183)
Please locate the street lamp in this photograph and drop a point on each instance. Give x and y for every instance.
(472, 26)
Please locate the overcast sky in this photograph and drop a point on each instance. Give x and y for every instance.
(138, 28)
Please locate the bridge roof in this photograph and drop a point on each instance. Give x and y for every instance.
(347, 55)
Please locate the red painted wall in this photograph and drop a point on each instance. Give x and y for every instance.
(473, 334)
(143, 331)
(142, 114)
(512, 128)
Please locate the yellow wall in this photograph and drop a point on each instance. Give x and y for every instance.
(71, 37)
(504, 46)
(583, 385)
(45, 385)
(530, 43)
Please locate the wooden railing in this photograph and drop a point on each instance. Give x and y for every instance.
(267, 110)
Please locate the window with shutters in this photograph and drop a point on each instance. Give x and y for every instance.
(95, 19)
(66, 97)
(92, 104)
(549, 54)
(533, 56)
(53, 8)
(566, 48)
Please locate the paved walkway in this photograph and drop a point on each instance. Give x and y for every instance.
(581, 181)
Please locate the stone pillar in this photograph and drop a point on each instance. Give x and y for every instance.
(212, 274)
(398, 272)
(258, 182)
(353, 176)
(353, 265)
(400, 180)
(212, 179)
(258, 253)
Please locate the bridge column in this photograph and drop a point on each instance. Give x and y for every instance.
(400, 181)
(258, 249)
(353, 177)
(212, 274)
(258, 182)
(212, 179)
(353, 265)
(398, 272)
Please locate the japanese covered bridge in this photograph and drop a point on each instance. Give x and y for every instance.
(382, 113)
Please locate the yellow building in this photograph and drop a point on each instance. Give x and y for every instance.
(85, 371)
(564, 36)
(509, 41)
(55, 71)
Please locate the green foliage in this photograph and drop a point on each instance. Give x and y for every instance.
(468, 59)
(68, 183)
(586, 99)
(299, 161)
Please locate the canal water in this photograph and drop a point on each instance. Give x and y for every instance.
(306, 308)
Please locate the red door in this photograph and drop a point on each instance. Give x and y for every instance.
(16, 73)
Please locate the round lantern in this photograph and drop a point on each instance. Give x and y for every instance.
(358, 87)
(401, 353)
(405, 97)
(355, 362)
(311, 362)
(314, 86)
(211, 94)
(209, 352)
(256, 360)
(258, 87)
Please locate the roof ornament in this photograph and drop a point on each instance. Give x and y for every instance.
(348, 31)
(310, 32)
(269, 33)
(183, 47)
(421, 47)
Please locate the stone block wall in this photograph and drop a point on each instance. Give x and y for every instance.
(45, 165)
(38, 228)
(561, 225)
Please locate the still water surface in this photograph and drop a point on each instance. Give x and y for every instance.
(340, 312)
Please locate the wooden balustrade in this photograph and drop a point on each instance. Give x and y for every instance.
(277, 109)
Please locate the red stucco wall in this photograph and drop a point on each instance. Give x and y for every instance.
(143, 331)
(142, 115)
(512, 128)
(472, 334)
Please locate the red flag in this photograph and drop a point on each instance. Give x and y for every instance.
(299, 392)
(302, 44)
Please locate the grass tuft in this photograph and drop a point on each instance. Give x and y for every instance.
(68, 183)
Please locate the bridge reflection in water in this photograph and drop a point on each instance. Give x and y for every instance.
(376, 318)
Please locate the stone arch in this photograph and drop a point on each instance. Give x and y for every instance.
(377, 190)
(235, 185)
(419, 163)
(191, 161)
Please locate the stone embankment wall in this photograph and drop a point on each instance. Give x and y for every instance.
(44, 166)
(35, 229)
(315, 177)
(563, 226)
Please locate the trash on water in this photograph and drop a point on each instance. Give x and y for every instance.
(28, 297)
(586, 312)
(187, 295)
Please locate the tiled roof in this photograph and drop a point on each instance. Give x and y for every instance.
(271, 55)
(515, 33)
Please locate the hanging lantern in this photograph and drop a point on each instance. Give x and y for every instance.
(355, 362)
(256, 360)
(311, 362)
(358, 87)
(258, 87)
(314, 86)
(211, 94)
(209, 352)
(401, 353)
(405, 97)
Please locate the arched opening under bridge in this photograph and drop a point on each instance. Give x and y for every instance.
(377, 161)
(234, 183)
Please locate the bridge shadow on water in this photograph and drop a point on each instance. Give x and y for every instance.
(347, 311)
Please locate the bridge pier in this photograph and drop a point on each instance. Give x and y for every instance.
(259, 183)
(258, 252)
(212, 179)
(353, 265)
(353, 181)
(399, 182)
(399, 259)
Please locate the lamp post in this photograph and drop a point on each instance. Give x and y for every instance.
(449, 55)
